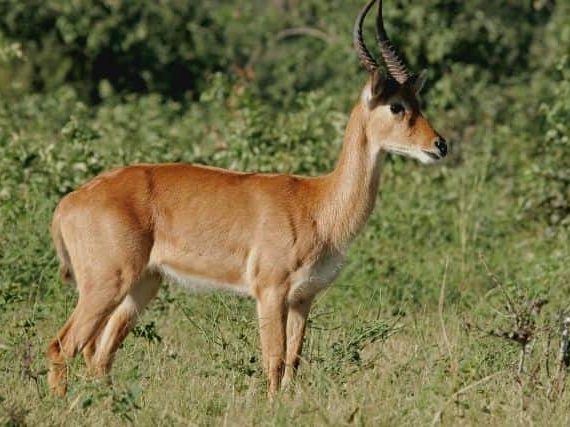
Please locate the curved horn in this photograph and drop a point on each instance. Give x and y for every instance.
(364, 55)
(394, 62)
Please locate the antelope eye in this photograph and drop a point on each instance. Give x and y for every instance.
(397, 108)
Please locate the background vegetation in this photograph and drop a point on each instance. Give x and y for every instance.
(426, 323)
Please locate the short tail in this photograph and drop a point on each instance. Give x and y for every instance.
(65, 267)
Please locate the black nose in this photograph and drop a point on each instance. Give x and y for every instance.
(441, 145)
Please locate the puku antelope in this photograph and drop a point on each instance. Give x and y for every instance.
(278, 238)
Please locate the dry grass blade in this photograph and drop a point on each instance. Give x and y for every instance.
(441, 320)
(438, 415)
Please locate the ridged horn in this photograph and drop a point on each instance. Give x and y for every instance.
(394, 63)
(364, 55)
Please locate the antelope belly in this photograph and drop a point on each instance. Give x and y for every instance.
(201, 283)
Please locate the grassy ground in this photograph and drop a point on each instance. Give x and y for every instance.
(405, 337)
(425, 324)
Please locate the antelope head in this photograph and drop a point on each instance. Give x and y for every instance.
(394, 122)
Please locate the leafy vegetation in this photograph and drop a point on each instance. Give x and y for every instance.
(422, 325)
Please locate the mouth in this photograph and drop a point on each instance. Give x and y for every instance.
(426, 157)
(434, 156)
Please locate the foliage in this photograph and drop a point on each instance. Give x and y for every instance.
(549, 190)
(173, 46)
(92, 85)
(129, 44)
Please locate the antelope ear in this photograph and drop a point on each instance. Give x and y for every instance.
(379, 80)
(382, 86)
(419, 81)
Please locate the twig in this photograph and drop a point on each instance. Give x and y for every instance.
(209, 338)
(559, 384)
(547, 352)
(437, 417)
(526, 350)
(304, 31)
(74, 403)
(564, 353)
(440, 309)
(497, 282)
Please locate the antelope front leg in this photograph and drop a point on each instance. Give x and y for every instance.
(272, 312)
(296, 322)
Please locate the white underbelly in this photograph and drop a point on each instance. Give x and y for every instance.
(201, 283)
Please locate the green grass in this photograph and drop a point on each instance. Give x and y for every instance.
(379, 350)
(454, 256)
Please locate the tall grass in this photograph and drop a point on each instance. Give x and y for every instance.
(422, 325)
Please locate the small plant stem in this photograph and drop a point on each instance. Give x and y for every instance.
(441, 320)
(437, 417)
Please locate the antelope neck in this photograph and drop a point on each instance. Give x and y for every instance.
(350, 190)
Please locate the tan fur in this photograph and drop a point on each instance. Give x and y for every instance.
(278, 238)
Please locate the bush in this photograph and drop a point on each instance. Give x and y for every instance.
(173, 47)
(548, 183)
(135, 46)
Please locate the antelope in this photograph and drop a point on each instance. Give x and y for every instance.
(277, 238)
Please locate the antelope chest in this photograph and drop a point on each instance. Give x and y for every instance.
(313, 278)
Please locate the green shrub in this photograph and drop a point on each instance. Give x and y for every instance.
(173, 47)
(548, 175)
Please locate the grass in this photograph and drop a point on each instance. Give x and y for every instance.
(414, 332)
(402, 338)
(425, 325)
